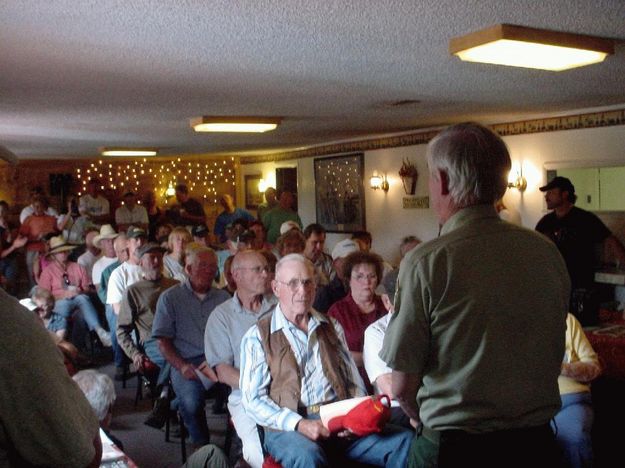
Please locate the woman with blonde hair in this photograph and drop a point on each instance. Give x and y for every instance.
(173, 262)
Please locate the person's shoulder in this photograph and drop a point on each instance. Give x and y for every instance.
(220, 295)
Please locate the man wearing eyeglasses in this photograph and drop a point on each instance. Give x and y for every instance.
(222, 339)
(292, 362)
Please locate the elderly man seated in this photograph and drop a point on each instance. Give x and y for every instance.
(179, 323)
(295, 360)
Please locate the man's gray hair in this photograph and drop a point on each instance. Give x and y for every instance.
(293, 257)
(194, 249)
(99, 390)
(476, 161)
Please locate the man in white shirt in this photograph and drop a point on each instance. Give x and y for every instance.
(131, 214)
(378, 372)
(128, 272)
(94, 205)
(91, 254)
(103, 241)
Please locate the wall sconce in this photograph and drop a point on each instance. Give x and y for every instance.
(520, 183)
(378, 182)
(262, 185)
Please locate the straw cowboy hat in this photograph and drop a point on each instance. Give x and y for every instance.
(59, 244)
(106, 232)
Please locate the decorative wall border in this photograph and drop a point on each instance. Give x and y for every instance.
(522, 127)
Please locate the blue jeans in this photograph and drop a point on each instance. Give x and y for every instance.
(151, 349)
(8, 269)
(65, 307)
(574, 423)
(118, 354)
(388, 448)
(191, 397)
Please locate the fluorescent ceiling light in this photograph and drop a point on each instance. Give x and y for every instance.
(518, 46)
(128, 152)
(235, 124)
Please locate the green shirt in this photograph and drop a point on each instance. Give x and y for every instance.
(274, 218)
(481, 318)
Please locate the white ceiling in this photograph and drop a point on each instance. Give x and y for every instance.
(76, 75)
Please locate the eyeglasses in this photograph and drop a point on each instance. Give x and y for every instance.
(66, 279)
(256, 269)
(361, 277)
(293, 284)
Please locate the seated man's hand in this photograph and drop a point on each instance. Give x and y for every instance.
(137, 360)
(313, 429)
(208, 371)
(188, 372)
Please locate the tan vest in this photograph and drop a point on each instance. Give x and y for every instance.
(285, 385)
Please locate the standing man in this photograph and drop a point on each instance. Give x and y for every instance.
(292, 362)
(282, 213)
(270, 202)
(131, 214)
(188, 211)
(222, 340)
(228, 216)
(137, 312)
(315, 235)
(179, 323)
(577, 233)
(474, 346)
(93, 204)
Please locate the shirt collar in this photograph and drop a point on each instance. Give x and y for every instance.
(269, 300)
(468, 215)
(279, 321)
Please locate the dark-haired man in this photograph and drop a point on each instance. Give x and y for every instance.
(315, 235)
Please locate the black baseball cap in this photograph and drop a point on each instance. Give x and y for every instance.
(559, 182)
(149, 247)
(199, 231)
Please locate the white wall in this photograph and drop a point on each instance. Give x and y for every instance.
(388, 222)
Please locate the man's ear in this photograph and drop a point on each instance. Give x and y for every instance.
(274, 287)
(444, 178)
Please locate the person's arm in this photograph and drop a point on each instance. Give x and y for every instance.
(166, 345)
(405, 387)
(585, 366)
(125, 328)
(613, 249)
(228, 374)
(97, 457)
(18, 242)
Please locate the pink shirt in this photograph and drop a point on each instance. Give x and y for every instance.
(52, 279)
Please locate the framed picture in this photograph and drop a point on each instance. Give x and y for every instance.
(339, 193)
(253, 197)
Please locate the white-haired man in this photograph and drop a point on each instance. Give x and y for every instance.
(295, 360)
(475, 348)
(222, 340)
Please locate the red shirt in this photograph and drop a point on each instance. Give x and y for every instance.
(34, 227)
(52, 279)
(354, 323)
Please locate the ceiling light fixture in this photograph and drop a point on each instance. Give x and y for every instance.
(235, 124)
(518, 46)
(128, 152)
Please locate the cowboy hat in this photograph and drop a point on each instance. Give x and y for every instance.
(106, 232)
(59, 244)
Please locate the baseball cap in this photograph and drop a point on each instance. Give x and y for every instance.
(134, 232)
(559, 182)
(149, 247)
(367, 417)
(199, 231)
(287, 226)
(344, 248)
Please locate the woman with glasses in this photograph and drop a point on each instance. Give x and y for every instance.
(361, 306)
(68, 282)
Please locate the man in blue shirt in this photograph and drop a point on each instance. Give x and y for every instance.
(179, 323)
(228, 216)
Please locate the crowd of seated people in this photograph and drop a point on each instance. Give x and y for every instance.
(195, 310)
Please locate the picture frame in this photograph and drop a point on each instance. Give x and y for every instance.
(253, 196)
(339, 193)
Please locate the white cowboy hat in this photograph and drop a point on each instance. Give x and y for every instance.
(106, 232)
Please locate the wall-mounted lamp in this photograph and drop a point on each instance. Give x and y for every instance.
(262, 185)
(520, 183)
(378, 182)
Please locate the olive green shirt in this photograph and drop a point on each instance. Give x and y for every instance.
(481, 319)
